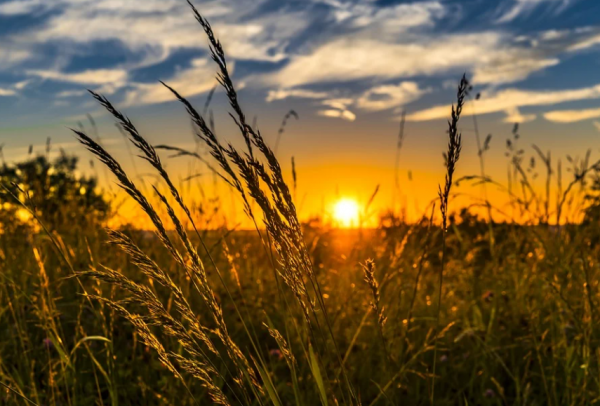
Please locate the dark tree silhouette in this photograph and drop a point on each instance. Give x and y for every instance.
(60, 197)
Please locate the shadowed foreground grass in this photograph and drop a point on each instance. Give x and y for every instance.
(458, 311)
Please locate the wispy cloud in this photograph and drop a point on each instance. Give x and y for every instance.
(571, 116)
(390, 96)
(198, 78)
(513, 115)
(491, 56)
(338, 108)
(522, 7)
(11, 54)
(377, 98)
(389, 20)
(71, 93)
(116, 77)
(281, 94)
(11, 8)
(7, 92)
(155, 28)
(335, 113)
(509, 99)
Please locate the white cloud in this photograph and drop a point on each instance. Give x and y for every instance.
(390, 96)
(585, 43)
(343, 114)
(340, 104)
(570, 116)
(521, 7)
(155, 28)
(7, 92)
(11, 55)
(378, 98)
(19, 7)
(198, 78)
(89, 77)
(338, 109)
(392, 19)
(22, 84)
(281, 94)
(491, 56)
(513, 115)
(71, 93)
(508, 99)
(507, 67)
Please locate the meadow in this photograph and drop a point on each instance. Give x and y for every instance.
(454, 309)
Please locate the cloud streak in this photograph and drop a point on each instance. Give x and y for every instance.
(492, 57)
(115, 77)
(571, 116)
(198, 78)
(390, 96)
(510, 99)
(521, 7)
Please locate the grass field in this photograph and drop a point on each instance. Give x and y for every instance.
(450, 310)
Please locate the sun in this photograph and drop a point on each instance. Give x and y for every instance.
(346, 212)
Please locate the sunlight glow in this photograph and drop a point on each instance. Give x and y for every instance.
(346, 212)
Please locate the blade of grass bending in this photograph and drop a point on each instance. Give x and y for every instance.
(269, 384)
(88, 338)
(18, 394)
(316, 371)
(224, 79)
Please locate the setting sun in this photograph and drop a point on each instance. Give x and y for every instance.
(345, 212)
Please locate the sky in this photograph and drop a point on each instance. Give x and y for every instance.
(348, 68)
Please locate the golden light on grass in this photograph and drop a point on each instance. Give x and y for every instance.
(346, 212)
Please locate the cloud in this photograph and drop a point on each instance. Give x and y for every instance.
(392, 19)
(11, 55)
(513, 115)
(71, 93)
(506, 67)
(22, 84)
(390, 96)
(12, 8)
(7, 92)
(113, 77)
(343, 114)
(338, 109)
(281, 94)
(521, 7)
(571, 116)
(508, 99)
(198, 78)
(491, 55)
(377, 98)
(155, 28)
(585, 43)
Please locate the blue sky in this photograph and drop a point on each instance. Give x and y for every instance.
(348, 67)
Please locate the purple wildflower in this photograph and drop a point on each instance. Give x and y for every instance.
(489, 393)
(48, 343)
